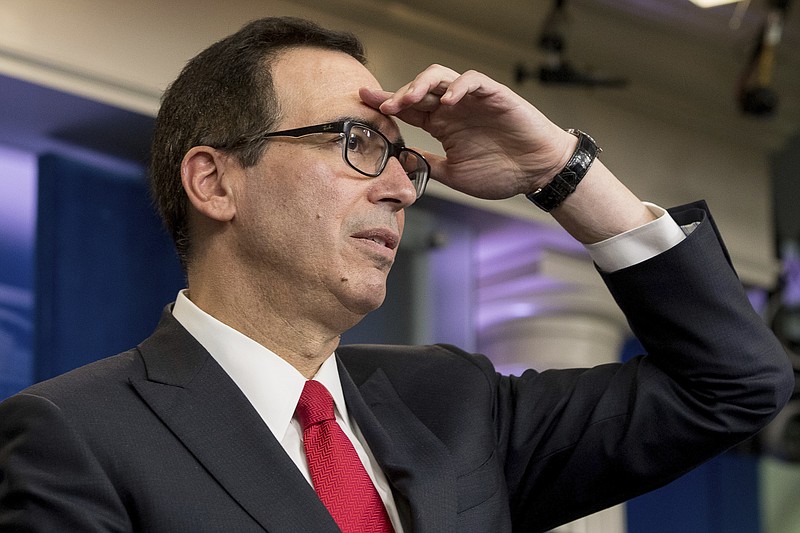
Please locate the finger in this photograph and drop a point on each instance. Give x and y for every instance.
(471, 82)
(373, 97)
(413, 101)
(412, 116)
(429, 103)
(438, 164)
(432, 81)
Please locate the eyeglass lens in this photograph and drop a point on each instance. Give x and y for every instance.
(368, 151)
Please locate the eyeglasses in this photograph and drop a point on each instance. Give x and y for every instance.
(367, 151)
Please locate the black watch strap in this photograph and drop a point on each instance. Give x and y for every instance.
(565, 182)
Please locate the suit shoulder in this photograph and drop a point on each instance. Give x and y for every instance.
(437, 361)
(94, 380)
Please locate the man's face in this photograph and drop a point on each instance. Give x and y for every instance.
(314, 231)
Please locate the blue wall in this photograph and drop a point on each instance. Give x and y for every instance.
(17, 236)
(104, 266)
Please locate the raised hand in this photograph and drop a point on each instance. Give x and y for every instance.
(497, 144)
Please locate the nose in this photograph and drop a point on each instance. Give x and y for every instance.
(393, 187)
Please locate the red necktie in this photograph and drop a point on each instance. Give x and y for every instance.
(338, 475)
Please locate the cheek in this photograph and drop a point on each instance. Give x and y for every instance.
(302, 191)
(309, 197)
(401, 221)
(327, 195)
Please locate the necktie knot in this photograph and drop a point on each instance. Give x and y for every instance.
(315, 404)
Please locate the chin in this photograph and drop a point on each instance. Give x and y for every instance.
(365, 306)
(365, 301)
(362, 292)
(352, 313)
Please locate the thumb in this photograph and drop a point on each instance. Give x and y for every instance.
(374, 97)
(438, 165)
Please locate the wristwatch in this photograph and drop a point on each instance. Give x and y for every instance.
(565, 182)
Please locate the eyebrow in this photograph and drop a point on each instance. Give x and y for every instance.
(372, 124)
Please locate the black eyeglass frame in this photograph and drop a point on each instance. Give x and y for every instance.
(343, 128)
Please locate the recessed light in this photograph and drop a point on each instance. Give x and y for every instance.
(712, 3)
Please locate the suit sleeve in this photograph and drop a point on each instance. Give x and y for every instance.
(577, 441)
(49, 478)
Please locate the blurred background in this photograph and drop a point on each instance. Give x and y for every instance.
(687, 101)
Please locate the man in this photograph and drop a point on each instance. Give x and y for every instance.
(281, 174)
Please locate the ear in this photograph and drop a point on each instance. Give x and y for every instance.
(207, 176)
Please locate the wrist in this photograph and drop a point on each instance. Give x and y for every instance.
(570, 145)
(571, 169)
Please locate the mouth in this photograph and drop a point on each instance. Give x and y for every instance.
(383, 238)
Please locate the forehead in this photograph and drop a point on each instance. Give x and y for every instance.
(314, 85)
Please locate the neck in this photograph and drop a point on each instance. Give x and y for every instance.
(282, 326)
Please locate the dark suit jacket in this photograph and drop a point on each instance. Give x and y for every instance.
(159, 439)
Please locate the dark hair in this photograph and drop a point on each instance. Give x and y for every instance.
(224, 96)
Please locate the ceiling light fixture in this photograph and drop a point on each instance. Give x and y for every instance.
(712, 3)
(556, 70)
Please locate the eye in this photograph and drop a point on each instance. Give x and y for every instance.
(355, 142)
(361, 140)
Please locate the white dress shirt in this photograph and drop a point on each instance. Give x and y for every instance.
(639, 244)
(273, 386)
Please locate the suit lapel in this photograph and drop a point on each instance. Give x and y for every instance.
(414, 460)
(205, 409)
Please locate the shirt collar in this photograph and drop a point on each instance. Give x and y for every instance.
(271, 384)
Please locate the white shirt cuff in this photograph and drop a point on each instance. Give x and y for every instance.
(639, 244)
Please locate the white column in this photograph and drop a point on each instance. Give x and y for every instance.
(541, 305)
